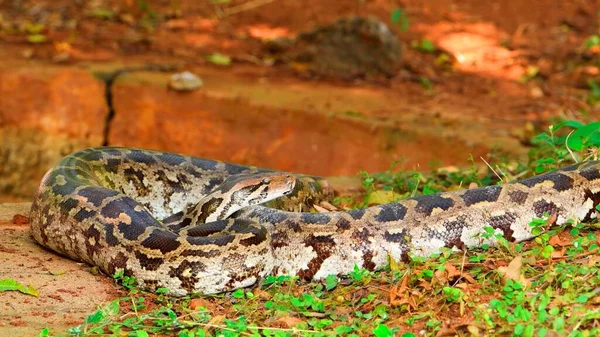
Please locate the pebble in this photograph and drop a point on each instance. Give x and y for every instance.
(185, 81)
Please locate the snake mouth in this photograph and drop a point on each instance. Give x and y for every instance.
(289, 191)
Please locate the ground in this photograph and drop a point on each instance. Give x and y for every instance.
(501, 69)
(493, 47)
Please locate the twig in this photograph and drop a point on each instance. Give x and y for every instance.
(491, 168)
(554, 259)
(245, 7)
(567, 146)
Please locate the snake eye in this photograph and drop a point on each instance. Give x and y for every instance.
(266, 180)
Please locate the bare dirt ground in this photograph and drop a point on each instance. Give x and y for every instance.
(68, 292)
(516, 64)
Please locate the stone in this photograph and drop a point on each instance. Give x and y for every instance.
(185, 81)
(352, 47)
(45, 114)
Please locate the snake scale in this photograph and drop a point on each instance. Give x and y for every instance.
(135, 210)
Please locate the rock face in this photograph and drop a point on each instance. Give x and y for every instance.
(349, 48)
(306, 127)
(45, 113)
(259, 127)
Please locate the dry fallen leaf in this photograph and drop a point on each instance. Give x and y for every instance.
(262, 294)
(201, 303)
(216, 320)
(593, 260)
(554, 241)
(551, 220)
(19, 219)
(473, 330)
(400, 295)
(329, 206)
(288, 321)
(320, 209)
(449, 273)
(557, 254)
(513, 271)
(461, 285)
(451, 270)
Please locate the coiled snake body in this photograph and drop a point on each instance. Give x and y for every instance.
(143, 212)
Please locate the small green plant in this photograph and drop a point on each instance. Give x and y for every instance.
(594, 94)
(8, 284)
(35, 32)
(128, 282)
(592, 41)
(453, 295)
(398, 17)
(331, 281)
(426, 83)
(530, 73)
(219, 59)
(359, 274)
(424, 46)
(102, 13)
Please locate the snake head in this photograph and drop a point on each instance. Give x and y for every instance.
(254, 189)
(273, 185)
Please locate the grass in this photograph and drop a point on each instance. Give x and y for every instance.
(545, 287)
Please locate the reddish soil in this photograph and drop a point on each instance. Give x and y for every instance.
(492, 44)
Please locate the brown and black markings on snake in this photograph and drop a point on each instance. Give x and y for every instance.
(518, 197)
(322, 246)
(503, 222)
(427, 203)
(86, 209)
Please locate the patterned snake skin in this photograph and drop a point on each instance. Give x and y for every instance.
(106, 206)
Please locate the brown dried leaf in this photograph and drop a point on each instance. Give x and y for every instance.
(451, 270)
(202, 303)
(551, 220)
(216, 320)
(399, 295)
(263, 295)
(461, 285)
(513, 271)
(441, 276)
(425, 285)
(557, 254)
(469, 278)
(19, 219)
(446, 332)
(473, 330)
(556, 240)
(329, 206)
(593, 260)
(320, 209)
(288, 321)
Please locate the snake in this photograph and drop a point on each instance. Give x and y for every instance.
(194, 225)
